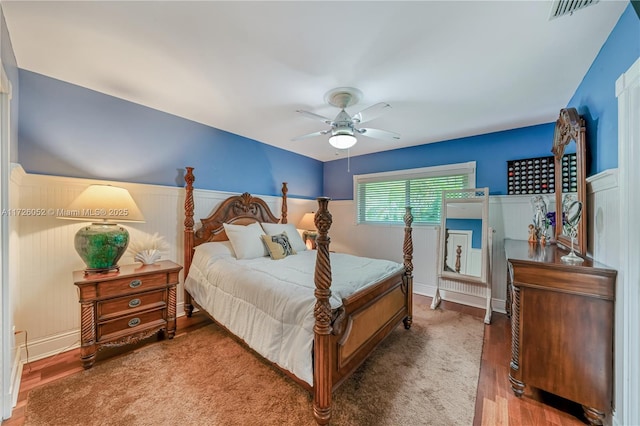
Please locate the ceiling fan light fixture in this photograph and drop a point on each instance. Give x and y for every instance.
(342, 141)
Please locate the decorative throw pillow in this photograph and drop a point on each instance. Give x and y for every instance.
(294, 236)
(278, 245)
(246, 240)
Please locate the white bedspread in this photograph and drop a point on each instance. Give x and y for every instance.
(269, 303)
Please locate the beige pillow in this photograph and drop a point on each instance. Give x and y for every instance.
(278, 245)
(246, 240)
(293, 234)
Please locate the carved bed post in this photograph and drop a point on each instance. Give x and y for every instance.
(407, 251)
(322, 329)
(283, 213)
(189, 178)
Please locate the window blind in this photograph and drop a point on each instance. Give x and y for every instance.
(381, 198)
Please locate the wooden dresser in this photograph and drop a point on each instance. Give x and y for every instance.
(124, 307)
(561, 326)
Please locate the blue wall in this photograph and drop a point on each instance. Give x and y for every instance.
(68, 130)
(596, 99)
(71, 131)
(473, 225)
(490, 151)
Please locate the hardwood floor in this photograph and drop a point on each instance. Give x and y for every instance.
(496, 404)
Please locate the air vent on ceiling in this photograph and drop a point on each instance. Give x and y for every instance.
(567, 7)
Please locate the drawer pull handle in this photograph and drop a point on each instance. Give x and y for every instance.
(134, 321)
(135, 283)
(134, 302)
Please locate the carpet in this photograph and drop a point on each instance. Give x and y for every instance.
(425, 376)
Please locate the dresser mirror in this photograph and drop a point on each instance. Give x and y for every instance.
(570, 179)
(463, 234)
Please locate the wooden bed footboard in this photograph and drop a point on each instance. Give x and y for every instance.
(365, 320)
(367, 317)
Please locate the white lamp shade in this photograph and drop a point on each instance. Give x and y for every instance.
(307, 222)
(342, 141)
(104, 203)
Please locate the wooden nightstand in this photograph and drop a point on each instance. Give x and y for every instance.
(118, 308)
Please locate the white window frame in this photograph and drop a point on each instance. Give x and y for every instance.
(468, 168)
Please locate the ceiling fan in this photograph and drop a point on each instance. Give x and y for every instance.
(344, 128)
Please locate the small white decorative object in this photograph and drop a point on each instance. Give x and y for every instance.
(148, 257)
(149, 250)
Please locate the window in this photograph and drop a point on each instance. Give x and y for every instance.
(382, 197)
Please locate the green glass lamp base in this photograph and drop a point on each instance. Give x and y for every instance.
(101, 245)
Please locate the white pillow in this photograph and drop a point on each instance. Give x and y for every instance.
(292, 233)
(246, 240)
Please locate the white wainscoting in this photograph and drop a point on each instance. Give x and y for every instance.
(385, 242)
(45, 301)
(603, 213)
(509, 216)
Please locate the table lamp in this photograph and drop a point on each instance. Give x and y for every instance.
(310, 233)
(101, 244)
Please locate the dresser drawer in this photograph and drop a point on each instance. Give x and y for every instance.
(127, 285)
(131, 324)
(135, 302)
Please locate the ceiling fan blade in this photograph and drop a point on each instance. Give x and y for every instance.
(311, 135)
(371, 112)
(379, 134)
(315, 116)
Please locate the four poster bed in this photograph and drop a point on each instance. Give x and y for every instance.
(338, 310)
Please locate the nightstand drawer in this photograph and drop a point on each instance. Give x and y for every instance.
(128, 285)
(136, 302)
(130, 324)
(126, 306)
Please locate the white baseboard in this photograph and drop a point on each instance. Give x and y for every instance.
(49, 346)
(497, 305)
(424, 289)
(61, 342)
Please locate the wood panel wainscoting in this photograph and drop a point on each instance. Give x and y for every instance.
(495, 402)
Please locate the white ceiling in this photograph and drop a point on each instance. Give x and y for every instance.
(449, 69)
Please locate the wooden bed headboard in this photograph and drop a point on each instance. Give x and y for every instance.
(240, 210)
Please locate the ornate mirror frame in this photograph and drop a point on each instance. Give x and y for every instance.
(570, 127)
